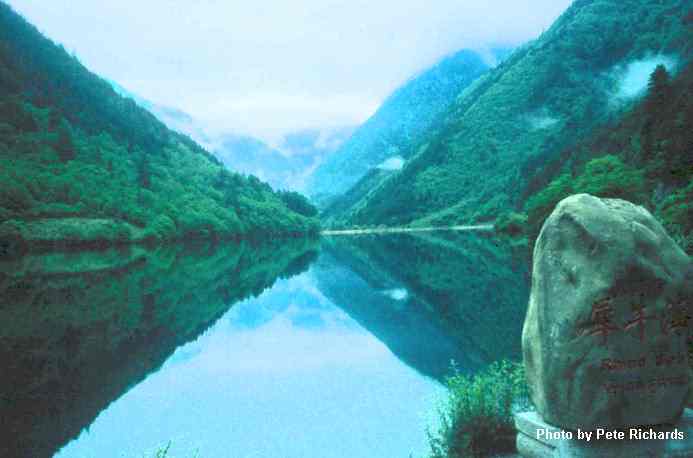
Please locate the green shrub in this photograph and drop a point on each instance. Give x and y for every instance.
(540, 205)
(605, 176)
(163, 452)
(608, 176)
(477, 419)
(676, 214)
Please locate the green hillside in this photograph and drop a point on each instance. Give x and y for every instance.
(492, 150)
(79, 163)
(386, 139)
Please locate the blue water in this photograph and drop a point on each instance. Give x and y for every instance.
(282, 349)
(285, 375)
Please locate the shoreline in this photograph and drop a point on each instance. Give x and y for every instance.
(401, 230)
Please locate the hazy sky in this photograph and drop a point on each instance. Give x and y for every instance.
(270, 66)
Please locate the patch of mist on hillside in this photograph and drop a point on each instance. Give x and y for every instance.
(540, 119)
(488, 57)
(632, 78)
(299, 182)
(392, 164)
(492, 56)
(397, 294)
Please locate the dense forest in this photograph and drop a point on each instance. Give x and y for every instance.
(646, 157)
(79, 163)
(524, 134)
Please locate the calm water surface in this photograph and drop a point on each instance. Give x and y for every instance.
(301, 349)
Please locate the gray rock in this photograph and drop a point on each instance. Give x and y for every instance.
(604, 339)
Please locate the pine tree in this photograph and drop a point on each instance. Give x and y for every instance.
(659, 89)
(658, 98)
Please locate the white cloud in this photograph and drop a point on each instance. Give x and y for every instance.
(541, 119)
(398, 294)
(271, 66)
(635, 76)
(279, 112)
(391, 164)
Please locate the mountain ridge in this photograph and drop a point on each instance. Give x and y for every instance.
(406, 113)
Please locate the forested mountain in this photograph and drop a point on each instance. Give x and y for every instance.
(390, 137)
(510, 132)
(80, 163)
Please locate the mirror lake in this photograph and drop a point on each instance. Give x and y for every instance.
(334, 347)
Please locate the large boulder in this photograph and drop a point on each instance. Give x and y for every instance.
(605, 336)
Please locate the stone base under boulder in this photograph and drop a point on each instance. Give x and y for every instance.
(531, 443)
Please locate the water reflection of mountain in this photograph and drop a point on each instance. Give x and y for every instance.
(80, 329)
(431, 299)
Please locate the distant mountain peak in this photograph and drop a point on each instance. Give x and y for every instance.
(402, 120)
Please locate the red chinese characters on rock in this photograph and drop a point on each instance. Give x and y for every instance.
(674, 319)
(639, 321)
(602, 312)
